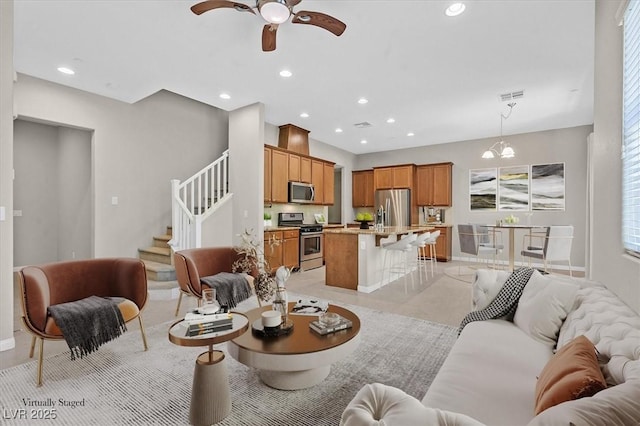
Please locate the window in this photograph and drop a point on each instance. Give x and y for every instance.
(631, 131)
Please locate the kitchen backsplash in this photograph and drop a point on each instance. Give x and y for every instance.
(308, 210)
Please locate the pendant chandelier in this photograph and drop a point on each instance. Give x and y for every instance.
(501, 148)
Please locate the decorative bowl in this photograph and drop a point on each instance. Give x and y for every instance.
(329, 318)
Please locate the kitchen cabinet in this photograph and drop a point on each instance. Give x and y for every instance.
(328, 184)
(362, 188)
(282, 248)
(433, 184)
(317, 179)
(305, 169)
(279, 176)
(267, 175)
(294, 168)
(394, 177)
(443, 244)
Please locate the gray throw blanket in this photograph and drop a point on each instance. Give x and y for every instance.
(231, 289)
(88, 323)
(506, 300)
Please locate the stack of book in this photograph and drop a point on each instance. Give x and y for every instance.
(320, 328)
(197, 324)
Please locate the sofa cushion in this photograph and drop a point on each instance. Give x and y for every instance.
(543, 306)
(490, 374)
(572, 373)
(377, 405)
(486, 285)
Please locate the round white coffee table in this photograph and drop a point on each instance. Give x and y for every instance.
(298, 360)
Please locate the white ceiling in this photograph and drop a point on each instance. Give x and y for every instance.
(439, 77)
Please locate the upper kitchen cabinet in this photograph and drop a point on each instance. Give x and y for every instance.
(279, 179)
(294, 139)
(433, 184)
(267, 175)
(362, 188)
(317, 179)
(305, 169)
(294, 168)
(328, 184)
(395, 177)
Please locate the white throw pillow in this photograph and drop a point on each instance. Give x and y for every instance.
(543, 307)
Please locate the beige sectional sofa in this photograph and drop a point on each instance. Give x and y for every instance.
(491, 373)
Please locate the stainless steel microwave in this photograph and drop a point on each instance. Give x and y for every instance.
(301, 193)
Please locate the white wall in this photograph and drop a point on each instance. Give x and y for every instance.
(6, 175)
(618, 271)
(561, 145)
(137, 149)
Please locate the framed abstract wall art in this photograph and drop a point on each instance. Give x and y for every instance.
(483, 189)
(547, 187)
(513, 188)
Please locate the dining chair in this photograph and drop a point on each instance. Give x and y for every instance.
(471, 243)
(552, 246)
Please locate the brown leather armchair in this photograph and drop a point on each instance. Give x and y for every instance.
(191, 264)
(60, 282)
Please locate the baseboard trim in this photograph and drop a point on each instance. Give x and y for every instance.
(7, 344)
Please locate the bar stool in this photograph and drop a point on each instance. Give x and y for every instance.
(402, 247)
(431, 242)
(422, 258)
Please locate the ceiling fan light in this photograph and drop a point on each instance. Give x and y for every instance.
(488, 154)
(275, 11)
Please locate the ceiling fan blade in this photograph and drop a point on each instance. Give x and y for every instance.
(269, 37)
(207, 5)
(321, 20)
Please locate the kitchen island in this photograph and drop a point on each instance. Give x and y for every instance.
(353, 257)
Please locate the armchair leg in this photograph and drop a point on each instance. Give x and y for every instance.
(179, 301)
(33, 346)
(144, 337)
(40, 359)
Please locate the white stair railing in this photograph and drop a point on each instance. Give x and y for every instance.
(196, 199)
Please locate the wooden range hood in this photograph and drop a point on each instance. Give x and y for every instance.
(293, 138)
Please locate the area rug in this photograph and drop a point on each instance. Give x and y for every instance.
(122, 385)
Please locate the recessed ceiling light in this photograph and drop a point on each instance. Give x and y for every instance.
(455, 9)
(338, 130)
(65, 70)
(410, 134)
(363, 141)
(304, 115)
(225, 96)
(363, 101)
(391, 120)
(285, 73)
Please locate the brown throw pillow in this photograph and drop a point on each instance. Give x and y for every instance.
(572, 373)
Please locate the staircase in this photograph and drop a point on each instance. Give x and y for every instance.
(161, 275)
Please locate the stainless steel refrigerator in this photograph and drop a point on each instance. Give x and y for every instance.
(396, 205)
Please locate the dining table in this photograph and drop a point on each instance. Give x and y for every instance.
(512, 228)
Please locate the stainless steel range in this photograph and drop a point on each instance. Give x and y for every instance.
(311, 239)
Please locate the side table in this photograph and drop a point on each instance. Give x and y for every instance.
(210, 397)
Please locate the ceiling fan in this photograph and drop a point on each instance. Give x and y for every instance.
(275, 12)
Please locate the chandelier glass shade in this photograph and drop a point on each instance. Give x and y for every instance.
(274, 11)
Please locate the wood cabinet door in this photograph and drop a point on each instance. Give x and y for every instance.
(441, 188)
(294, 167)
(291, 252)
(273, 245)
(424, 186)
(305, 170)
(267, 175)
(329, 178)
(369, 191)
(317, 179)
(383, 178)
(362, 188)
(443, 245)
(279, 176)
(402, 177)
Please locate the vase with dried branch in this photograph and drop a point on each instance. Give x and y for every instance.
(253, 261)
